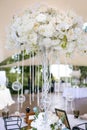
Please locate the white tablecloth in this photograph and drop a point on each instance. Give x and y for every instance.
(5, 98)
(75, 121)
(75, 92)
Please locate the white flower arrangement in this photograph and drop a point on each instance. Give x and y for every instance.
(40, 123)
(49, 28)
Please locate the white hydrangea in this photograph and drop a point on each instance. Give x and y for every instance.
(49, 28)
(41, 18)
(46, 30)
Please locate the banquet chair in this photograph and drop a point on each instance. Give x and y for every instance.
(12, 122)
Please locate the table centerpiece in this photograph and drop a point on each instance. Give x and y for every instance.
(43, 30)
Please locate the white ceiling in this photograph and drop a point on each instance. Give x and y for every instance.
(10, 7)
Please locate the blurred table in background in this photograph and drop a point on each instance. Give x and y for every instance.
(59, 87)
(75, 92)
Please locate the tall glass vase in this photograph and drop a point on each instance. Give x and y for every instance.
(45, 100)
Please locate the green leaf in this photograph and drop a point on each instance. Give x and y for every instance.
(64, 42)
(34, 128)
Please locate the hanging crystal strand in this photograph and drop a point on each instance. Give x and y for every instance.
(66, 80)
(70, 74)
(22, 72)
(56, 60)
(50, 79)
(58, 63)
(18, 102)
(35, 80)
(30, 85)
(17, 66)
(59, 79)
(42, 77)
(18, 80)
(50, 74)
(16, 86)
(71, 67)
(50, 83)
(33, 76)
(17, 83)
(38, 84)
(55, 83)
(21, 97)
